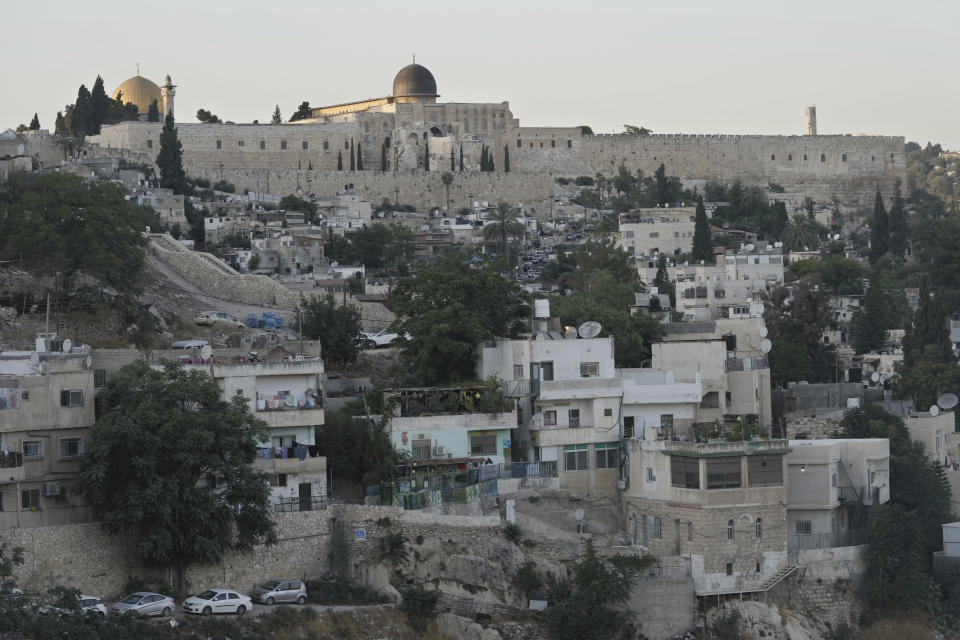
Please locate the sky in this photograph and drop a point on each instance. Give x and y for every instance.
(673, 66)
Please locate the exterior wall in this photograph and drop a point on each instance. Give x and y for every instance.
(931, 431)
(453, 432)
(667, 231)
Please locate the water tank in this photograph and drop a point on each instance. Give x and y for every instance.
(541, 308)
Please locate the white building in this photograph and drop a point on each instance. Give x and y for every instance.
(657, 230)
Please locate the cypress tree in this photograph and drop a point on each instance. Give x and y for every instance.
(170, 159)
(339, 160)
(359, 158)
(353, 157)
(897, 224)
(153, 113)
(277, 118)
(452, 167)
(383, 156)
(60, 125)
(426, 156)
(702, 241)
(506, 158)
(879, 232)
(483, 158)
(663, 187)
(461, 157)
(491, 165)
(869, 321)
(81, 123)
(35, 123)
(99, 104)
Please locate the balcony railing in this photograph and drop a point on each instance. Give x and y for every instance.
(312, 503)
(507, 470)
(520, 388)
(11, 459)
(289, 402)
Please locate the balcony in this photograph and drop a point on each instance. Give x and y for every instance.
(276, 466)
(291, 417)
(11, 467)
(521, 388)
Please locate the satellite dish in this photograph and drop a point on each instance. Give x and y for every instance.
(947, 401)
(875, 377)
(766, 345)
(836, 236)
(206, 351)
(334, 263)
(589, 329)
(67, 345)
(934, 410)
(756, 308)
(578, 514)
(750, 247)
(763, 332)
(88, 362)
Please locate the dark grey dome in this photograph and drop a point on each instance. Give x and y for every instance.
(414, 80)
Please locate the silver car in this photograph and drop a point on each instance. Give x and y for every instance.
(144, 603)
(281, 590)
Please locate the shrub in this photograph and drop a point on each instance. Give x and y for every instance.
(583, 181)
(563, 181)
(512, 532)
(527, 577)
(393, 548)
(420, 606)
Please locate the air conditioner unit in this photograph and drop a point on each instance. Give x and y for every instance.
(51, 489)
(621, 484)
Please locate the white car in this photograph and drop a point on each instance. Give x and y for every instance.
(384, 338)
(218, 601)
(210, 318)
(86, 604)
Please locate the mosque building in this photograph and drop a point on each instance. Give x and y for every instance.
(143, 93)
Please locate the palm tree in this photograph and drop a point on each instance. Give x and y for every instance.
(502, 225)
(447, 179)
(800, 234)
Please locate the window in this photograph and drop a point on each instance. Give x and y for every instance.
(483, 445)
(575, 457)
(759, 526)
(326, 145)
(608, 412)
(239, 143)
(71, 398)
(149, 144)
(628, 426)
(685, 472)
(99, 378)
(657, 527)
(833, 480)
(760, 564)
(730, 532)
(573, 418)
(823, 157)
(723, 473)
(588, 369)
(518, 372)
(304, 146)
(519, 143)
(608, 454)
(547, 370)
(790, 156)
(710, 400)
(239, 393)
(729, 568)
(33, 449)
(689, 531)
(30, 499)
(666, 421)
(550, 418)
(651, 477)
(843, 157)
(386, 143)
(804, 157)
(773, 157)
(628, 234)
(71, 447)
(654, 234)
(283, 144)
(346, 144)
(219, 144)
(569, 144)
(803, 527)
(765, 471)
(8, 398)
(282, 480)
(263, 144)
(421, 449)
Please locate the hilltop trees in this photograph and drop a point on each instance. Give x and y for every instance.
(702, 239)
(153, 113)
(170, 158)
(276, 118)
(334, 326)
(207, 118)
(303, 112)
(92, 110)
(35, 123)
(148, 463)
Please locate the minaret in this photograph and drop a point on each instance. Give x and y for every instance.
(811, 119)
(167, 92)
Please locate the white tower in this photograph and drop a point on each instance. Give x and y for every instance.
(811, 119)
(167, 92)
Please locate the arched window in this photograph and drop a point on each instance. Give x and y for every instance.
(823, 157)
(773, 156)
(759, 528)
(729, 529)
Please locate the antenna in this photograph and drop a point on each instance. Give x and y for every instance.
(589, 329)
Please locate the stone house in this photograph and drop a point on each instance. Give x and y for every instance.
(657, 230)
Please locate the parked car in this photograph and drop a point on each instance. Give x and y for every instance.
(144, 603)
(384, 338)
(281, 590)
(210, 318)
(86, 603)
(218, 601)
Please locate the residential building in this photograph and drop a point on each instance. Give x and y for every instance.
(288, 253)
(719, 506)
(431, 243)
(169, 207)
(652, 303)
(657, 230)
(935, 432)
(833, 488)
(46, 411)
(216, 228)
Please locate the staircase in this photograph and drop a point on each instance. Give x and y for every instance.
(778, 576)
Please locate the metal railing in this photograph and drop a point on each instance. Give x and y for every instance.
(520, 388)
(11, 459)
(507, 470)
(288, 505)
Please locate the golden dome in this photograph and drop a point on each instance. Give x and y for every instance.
(140, 92)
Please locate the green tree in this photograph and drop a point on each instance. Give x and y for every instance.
(801, 234)
(208, 118)
(426, 155)
(879, 232)
(149, 460)
(82, 117)
(447, 309)
(897, 224)
(291, 202)
(35, 123)
(702, 238)
(461, 157)
(383, 156)
(303, 112)
(870, 321)
(381, 247)
(359, 157)
(928, 336)
(796, 324)
(60, 223)
(663, 188)
(447, 179)
(335, 326)
(453, 166)
(276, 118)
(170, 158)
(353, 157)
(153, 113)
(254, 263)
(632, 130)
(483, 158)
(99, 106)
(60, 125)
(624, 182)
(357, 449)
(339, 161)
(502, 226)
(506, 158)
